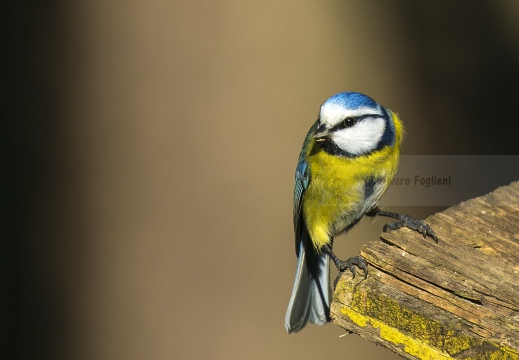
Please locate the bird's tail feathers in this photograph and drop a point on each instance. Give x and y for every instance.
(310, 300)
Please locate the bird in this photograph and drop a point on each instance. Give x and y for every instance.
(348, 159)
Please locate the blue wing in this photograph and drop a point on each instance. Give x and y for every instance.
(302, 181)
(301, 184)
(310, 299)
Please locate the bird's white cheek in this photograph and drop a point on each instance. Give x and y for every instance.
(361, 138)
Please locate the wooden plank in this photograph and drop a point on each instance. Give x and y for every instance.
(458, 299)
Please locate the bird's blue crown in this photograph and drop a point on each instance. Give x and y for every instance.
(352, 100)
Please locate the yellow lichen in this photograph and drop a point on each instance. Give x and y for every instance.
(390, 334)
(416, 335)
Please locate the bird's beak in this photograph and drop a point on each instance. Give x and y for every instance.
(321, 134)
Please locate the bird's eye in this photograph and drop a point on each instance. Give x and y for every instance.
(347, 122)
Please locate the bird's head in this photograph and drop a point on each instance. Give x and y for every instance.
(352, 124)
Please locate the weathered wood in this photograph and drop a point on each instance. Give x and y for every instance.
(458, 299)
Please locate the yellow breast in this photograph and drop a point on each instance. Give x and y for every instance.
(336, 196)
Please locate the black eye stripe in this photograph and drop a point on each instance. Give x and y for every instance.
(350, 121)
(346, 123)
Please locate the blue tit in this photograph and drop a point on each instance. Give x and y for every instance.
(348, 159)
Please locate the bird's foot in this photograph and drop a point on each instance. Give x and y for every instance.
(413, 224)
(350, 264)
(343, 265)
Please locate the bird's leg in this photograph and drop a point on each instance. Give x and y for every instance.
(343, 265)
(404, 220)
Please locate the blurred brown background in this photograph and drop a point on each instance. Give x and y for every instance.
(149, 149)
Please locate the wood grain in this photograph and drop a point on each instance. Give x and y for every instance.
(458, 299)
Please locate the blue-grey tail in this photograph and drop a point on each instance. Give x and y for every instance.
(310, 300)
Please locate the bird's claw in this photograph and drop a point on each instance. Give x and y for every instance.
(343, 265)
(413, 224)
(351, 263)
